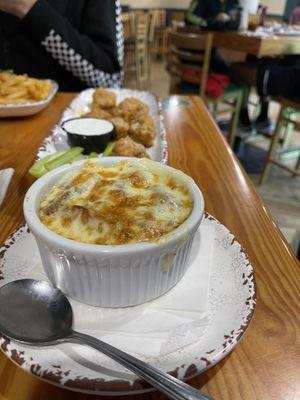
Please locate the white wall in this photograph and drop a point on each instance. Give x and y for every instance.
(274, 6)
(156, 3)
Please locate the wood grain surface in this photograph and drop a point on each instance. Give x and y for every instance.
(258, 46)
(265, 364)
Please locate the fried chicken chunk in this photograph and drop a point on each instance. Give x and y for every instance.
(142, 130)
(98, 113)
(126, 147)
(131, 108)
(121, 127)
(104, 98)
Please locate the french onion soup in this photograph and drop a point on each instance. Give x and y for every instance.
(131, 201)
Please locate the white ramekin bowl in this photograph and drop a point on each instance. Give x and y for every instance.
(112, 276)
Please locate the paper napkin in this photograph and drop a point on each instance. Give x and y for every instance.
(5, 178)
(163, 325)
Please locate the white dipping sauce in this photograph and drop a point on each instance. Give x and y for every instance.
(88, 126)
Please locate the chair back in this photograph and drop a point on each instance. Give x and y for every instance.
(154, 14)
(126, 21)
(192, 51)
(142, 26)
(161, 18)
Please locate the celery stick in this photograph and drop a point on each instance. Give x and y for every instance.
(49, 158)
(66, 158)
(79, 157)
(38, 168)
(41, 167)
(93, 154)
(108, 149)
(37, 172)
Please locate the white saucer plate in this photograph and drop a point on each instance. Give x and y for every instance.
(58, 139)
(26, 109)
(231, 303)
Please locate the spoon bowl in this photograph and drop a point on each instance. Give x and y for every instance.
(36, 313)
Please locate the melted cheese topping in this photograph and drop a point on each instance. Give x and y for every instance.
(129, 202)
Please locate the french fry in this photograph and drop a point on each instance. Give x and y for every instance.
(17, 94)
(18, 89)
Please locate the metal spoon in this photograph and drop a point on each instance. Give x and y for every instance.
(34, 312)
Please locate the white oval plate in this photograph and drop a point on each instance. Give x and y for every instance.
(231, 303)
(26, 109)
(58, 139)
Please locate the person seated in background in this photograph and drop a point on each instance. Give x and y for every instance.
(271, 77)
(295, 15)
(213, 14)
(279, 78)
(78, 43)
(224, 15)
(269, 68)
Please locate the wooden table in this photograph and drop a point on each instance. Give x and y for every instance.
(259, 46)
(265, 364)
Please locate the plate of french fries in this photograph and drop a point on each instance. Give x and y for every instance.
(21, 95)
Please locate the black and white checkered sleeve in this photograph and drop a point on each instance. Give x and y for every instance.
(82, 68)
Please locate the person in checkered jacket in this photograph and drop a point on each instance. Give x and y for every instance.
(78, 43)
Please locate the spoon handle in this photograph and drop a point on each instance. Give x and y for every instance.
(172, 387)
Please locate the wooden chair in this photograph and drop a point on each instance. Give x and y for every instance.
(137, 50)
(142, 27)
(159, 47)
(128, 20)
(193, 51)
(154, 15)
(279, 150)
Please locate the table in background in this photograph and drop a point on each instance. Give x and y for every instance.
(265, 364)
(260, 46)
(250, 44)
